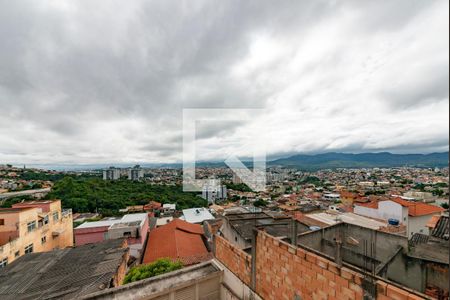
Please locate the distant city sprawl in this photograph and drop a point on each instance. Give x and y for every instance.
(342, 226)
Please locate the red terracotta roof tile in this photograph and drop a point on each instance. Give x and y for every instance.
(414, 208)
(373, 204)
(433, 221)
(418, 208)
(177, 240)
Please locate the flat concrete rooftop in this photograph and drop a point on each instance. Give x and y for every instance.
(163, 284)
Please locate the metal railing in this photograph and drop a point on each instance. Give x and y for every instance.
(66, 212)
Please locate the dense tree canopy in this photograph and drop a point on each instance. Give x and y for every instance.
(260, 203)
(107, 197)
(32, 175)
(242, 187)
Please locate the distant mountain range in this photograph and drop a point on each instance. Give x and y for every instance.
(330, 160)
(334, 160)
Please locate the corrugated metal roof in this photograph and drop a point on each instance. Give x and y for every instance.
(62, 274)
(418, 238)
(441, 229)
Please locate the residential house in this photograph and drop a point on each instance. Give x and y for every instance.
(133, 227)
(178, 240)
(153, 208)
(196, 215)
(414, 215)
(66, 274)
(34, 226)
(238, 228)
(168, 209)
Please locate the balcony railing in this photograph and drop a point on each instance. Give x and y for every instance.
(66, 212)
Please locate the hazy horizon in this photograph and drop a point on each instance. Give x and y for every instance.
(80, 166)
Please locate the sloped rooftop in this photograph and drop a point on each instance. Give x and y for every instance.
(62, 274)
(441, 230)
(177, 240)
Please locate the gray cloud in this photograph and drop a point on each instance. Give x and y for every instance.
(100, 81)
(210, 129)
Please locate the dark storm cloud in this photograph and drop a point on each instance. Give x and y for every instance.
(108, 80)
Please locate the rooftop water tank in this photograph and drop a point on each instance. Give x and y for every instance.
(393, 222)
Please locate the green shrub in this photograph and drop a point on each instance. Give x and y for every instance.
(260, 203)
(158, 267)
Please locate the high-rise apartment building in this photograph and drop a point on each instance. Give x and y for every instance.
(135, 173)
(35, 226)
(213, 192)
(111, 174)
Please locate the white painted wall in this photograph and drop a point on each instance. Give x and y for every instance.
(418, 225)
(366, 211)
(386, 210)
(392, 210)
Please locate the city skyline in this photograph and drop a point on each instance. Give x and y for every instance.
(100, 82)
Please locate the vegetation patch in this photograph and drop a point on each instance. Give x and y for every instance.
(158, 267)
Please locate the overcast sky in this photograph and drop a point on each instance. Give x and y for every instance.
(107, 81)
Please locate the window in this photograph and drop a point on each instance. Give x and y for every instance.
(55, 216)
(29, 249)
(127, 234)
(17, 254)
(2, 222)
(45, 221)
(43, 239)
(31, 226)
(3, 262)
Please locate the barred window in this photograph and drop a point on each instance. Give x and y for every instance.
(29, 249)
(31, 226)
(3, 262)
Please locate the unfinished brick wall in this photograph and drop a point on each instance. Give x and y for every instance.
(283, 271)
(236, 260)
(387, 291)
